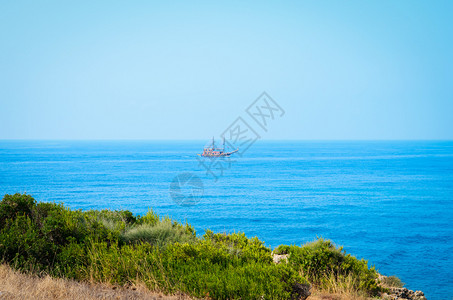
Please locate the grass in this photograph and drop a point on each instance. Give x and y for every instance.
(322, 263)
(159, 234)
(391, 281)
(16, 285)
(340, 287)
(120, 249)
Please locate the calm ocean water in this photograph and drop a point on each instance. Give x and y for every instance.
(388, 202)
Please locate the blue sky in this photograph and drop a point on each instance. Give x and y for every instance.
(174, 70)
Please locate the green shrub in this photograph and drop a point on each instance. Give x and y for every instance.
(392, 281)
(118, 247)
(13, 205)
(321, 259)
(241, 246)
(159, 234)
(55, 226)
(220, 278)
(150, 218)
(71, 261)
(23, 245)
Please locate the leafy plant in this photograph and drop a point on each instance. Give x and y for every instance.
(321, 259)
(120, 248)
(158, 234)
(392, 281)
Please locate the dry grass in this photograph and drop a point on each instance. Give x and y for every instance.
(340, 288)
(15, 285)
(323, 295)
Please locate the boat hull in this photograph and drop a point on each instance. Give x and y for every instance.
(218, 155)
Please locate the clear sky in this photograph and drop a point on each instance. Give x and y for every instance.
(174, 70)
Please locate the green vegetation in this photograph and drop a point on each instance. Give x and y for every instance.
(392, 281)
(320, 261)
(120, 248)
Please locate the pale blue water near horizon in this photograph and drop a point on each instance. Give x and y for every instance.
(389, 202)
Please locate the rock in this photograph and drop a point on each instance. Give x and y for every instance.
(400, 293)
(279, 258)
(301, 291)
(404, 293)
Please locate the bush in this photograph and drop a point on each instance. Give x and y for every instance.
(13, 205)
(159, 234)
(23, 245)
(151, 218)
(118, 247)
(241, 246)
(321, 259)
(392, 281)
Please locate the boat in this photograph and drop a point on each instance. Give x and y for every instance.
(212, 151)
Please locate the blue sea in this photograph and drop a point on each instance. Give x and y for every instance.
(388, 202)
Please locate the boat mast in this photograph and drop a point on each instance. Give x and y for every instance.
(223, 149)
(213, 146)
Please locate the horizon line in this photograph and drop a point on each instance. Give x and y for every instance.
(199, 139)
